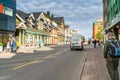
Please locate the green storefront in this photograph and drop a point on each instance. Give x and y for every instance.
(114, 16)
(29, 37)
(32, 36)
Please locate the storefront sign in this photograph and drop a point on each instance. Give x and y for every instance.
(1, 8)
(8, 11)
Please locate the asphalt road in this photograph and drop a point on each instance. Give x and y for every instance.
(58, 64)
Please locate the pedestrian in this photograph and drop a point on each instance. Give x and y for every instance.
(13, 46)
(8, 46)
(98, 42)
(111, 63)
(17, 44)
(94, 43)
(40, 44)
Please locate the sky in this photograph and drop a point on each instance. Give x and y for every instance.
(78, 14)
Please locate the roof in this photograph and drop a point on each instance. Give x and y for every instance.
(23, 15)
(36, 14)
(59, 19)
(49, 17)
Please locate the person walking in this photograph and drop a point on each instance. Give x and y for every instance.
(95, 42)
(13, 46)
(8, 46)
(17, 44)
(40, 44)
(98, 42)
(111, 63)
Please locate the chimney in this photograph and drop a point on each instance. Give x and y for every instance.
(48, 13)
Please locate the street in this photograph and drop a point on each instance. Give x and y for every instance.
(59, 40)
(60, 63)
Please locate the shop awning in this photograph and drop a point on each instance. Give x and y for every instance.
(115, 22)
(34, 31)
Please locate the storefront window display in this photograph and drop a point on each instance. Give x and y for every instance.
(35, 40)
(27, 40)
(4, 38)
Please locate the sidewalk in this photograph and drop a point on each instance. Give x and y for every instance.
(7, 55)
(35, 48)
(95, 65)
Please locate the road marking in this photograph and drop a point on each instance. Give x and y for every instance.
(26, 64)
(54, 55)
(37, 61)
(48, 57)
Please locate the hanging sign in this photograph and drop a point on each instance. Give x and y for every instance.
(1, 8)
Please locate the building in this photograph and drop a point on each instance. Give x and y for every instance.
(61, 28)
(97, 29)
(74, 31)
(7, 20)
(31, 28)
(68, 34)
(51, 27)
(111, 14)
(34, 27)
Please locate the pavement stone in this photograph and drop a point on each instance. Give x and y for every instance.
(95, 65)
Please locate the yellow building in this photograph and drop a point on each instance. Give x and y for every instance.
(61, 29)
(97, 29)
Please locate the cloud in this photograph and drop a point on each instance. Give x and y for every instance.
(79, 14)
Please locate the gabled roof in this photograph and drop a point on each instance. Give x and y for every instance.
(59, 19)
(48, 16)
(23, 15)
(36, 14)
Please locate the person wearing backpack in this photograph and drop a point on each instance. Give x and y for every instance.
(112, 61)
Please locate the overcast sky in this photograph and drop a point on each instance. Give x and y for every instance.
(79, 14)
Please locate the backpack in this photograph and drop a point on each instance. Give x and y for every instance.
(114, 50)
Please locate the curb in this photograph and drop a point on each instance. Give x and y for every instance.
(83, 65)
(7, 55)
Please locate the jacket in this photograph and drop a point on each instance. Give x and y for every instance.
(106, 49)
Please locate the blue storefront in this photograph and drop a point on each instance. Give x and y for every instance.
(7, 20)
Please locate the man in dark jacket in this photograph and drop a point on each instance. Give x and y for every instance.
(112, 63)
(95, 42)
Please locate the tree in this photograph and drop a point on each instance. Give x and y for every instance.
(99, 35)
